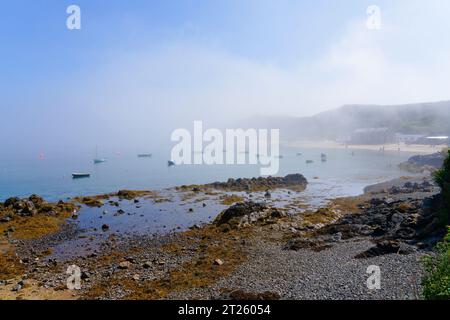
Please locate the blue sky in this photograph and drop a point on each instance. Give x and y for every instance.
(151, 66)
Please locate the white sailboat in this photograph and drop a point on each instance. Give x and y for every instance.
(98, 160)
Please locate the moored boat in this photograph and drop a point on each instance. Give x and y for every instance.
(145, 155)
(98, 160)
(80, 175)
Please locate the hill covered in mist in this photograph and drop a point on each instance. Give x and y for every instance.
(422, 118)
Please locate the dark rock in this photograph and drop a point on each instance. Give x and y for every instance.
(5, 219)
(38, 201)
(387, 247)
(435, 160)
(311, 244)
(296, 181)
(246, 213)
(11, 202)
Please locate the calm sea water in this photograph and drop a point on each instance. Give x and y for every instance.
(343, 173)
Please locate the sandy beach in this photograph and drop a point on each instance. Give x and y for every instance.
(402, 147)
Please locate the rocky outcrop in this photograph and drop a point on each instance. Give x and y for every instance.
(387, 219)
(395, 221)
(31, 206)
(423, 163)
(386, 247)
(434, 160)
(410, 187)
(293, 181)
(247, 213)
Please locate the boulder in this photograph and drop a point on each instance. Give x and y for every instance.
(387, 247)
(246, 213)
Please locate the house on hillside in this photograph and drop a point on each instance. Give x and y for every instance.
(372, 136)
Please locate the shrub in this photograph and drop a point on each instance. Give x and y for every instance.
(442, 178)
(436, 283)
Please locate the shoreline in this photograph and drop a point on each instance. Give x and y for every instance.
(210, 262)
(410, 148)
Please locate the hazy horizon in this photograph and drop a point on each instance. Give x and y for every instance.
(138, 70)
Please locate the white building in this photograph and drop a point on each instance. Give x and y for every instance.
(408, 138)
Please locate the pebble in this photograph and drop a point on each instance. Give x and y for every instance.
(124, 265)
(218, 262)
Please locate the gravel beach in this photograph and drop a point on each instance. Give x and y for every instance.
(332, 274)
(252, 249)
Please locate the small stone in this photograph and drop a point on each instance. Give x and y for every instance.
(136, 277)
(218, 262)
(18, 286)
(147, 265)
(105, 227)
(124, 265)
(5, 219)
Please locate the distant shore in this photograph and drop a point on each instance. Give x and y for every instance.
(402, 147)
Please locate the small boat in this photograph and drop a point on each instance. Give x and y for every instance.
(170, 163)
(323, 157)
(98, 160)
(299, 154)
(80, 175)
(309, 161)
(144, 155)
